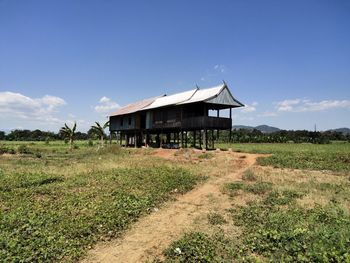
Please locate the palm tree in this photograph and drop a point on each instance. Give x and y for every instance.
(100, 130)
(69, 133)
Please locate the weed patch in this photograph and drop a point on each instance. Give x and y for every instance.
(216, 219)
(249, 175)
(205, 155)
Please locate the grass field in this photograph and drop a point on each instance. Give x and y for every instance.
(335, 156)
(55, 204)
(286, 215)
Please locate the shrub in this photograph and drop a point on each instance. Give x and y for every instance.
(249, 175)
(90, 143)
(23, 149)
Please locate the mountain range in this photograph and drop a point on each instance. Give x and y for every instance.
(270, 129)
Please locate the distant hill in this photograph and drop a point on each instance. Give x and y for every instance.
(262, 128)
(342, 130)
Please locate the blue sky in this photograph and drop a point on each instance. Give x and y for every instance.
(64, 61)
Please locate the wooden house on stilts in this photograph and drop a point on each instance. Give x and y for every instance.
(171, 120)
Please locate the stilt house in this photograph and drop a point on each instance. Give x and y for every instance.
(171, 119)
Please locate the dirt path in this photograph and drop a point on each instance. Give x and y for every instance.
(148, 237)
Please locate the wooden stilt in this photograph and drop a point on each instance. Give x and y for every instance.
(194, 139)
(212, 139)
(135, 140)
(206, 139)
(182, 139)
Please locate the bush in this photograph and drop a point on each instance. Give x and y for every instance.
(90, 143)
(6, 149)
(249, 175)
(23, 149)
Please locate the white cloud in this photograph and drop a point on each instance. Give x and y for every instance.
(106, 105)
(304, 105)
(250, 108)
(33, 109)
(220, 68)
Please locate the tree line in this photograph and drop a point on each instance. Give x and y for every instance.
(282, 136)
(238, 136)
(37, 135)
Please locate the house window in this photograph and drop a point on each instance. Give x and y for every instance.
(129, 120)
(121, 122)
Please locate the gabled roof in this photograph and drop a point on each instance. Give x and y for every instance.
(134, 107)
(216, 95)
(171, 99)
(204, 94)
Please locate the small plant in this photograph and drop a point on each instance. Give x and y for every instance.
(233, 188)
(38, 154)
(249, 175)
(47, 140)
(206, 155)
(90, 143)
(193, 247)
(69, 133)
(23, 149)
(5, 149)
(216, 219)
(258, 188)
(100, 130)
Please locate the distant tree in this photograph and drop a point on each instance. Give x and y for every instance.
(100, 130)
(2, 135)
(69, 133)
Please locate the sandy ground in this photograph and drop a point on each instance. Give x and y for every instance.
(151, 234)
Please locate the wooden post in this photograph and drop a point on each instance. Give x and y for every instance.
(135, 140)
(212, 138)
(182, 139)
(120, 138)
(206, 139)
(186, 139)
(194, 139)
(126, 140)
(200, 139)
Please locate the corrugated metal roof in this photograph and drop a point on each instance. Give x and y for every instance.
(171, 99)
(204, 94)
(134, 107)
(210, 95)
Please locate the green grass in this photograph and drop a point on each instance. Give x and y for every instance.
(335, 157)
(55, 207)
(255, 188)
(274, 229)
